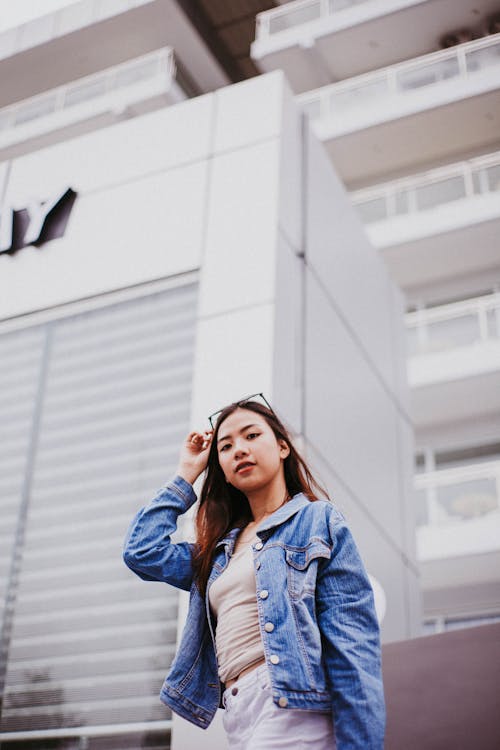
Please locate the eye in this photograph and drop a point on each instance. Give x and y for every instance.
(253, 434)
(226, 445)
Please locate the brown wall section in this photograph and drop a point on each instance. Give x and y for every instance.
(443, 691)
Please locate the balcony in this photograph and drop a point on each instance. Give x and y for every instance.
(313, 40)
(70, 18)
(458, 511)
(95, 101)
(392, 121)
(40, 55)
(426, 225)
(454, 360)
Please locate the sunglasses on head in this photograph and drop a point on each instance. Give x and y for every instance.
(213, 417)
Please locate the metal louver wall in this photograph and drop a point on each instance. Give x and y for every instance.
(90, 643)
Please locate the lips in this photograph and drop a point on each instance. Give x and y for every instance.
(243, 465)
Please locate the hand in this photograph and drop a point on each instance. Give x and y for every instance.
(194, 455)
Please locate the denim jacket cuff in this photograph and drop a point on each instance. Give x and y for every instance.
(182, 488)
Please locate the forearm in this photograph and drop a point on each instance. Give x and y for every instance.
(148, 549)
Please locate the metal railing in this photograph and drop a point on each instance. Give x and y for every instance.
(425, 191)
(293, 14)
(160, 64)
(398, 80)
(82, 732)
(63, 21)
(454, 325)
(458, 495)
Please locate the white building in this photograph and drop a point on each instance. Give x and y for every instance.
(406, 97)
(169, 243)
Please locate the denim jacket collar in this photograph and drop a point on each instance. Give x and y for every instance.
(275, 519)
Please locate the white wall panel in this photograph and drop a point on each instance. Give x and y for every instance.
(239, 258)
(341, 255)
(249, 111)
(144, 145)
(349, 417)
(234, 357)
(288, 367)
(114, 239)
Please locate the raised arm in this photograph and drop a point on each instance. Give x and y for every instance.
(148, 549)
(351, 645)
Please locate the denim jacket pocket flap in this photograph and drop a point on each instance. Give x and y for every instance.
(300, 558)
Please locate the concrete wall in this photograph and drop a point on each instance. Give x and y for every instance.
(296, 302)
(293, 300)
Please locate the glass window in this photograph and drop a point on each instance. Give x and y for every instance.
(437, 193)
(493, 177)
(486, 57)
(372, 210)
(448, 334)
(134, 73)
(34, 109)
(401, 201)
(291, 18)
(467, 500)
(493, 318)
(471, 454)
(358, 95)
(427, 74)
(84, 91)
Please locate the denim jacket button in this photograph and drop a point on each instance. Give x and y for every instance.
(283, 702)
(259, 545)
(274, 659)
(264, 594)
(269, 627)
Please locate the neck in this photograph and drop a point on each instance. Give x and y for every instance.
(266, 500)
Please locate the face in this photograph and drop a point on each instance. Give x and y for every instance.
(249, 453)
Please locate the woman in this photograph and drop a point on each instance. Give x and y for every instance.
(281, 629)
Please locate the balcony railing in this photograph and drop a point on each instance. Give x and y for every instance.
(158, 65)
(297, 13)
(458, 495)
(398, 80)
(455, 325)
(64, 21)
(423, 192)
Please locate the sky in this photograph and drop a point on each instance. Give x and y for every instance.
(15, 12)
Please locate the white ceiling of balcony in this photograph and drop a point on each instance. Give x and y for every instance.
(469, 397)
(452, 254)
(366, 37)
(422, 139)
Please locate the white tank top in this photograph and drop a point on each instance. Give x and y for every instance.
(233, 599)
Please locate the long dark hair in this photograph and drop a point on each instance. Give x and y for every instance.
(222, 506)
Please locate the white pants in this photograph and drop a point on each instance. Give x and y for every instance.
(253, 722)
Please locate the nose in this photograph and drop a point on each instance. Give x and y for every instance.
(240, 449)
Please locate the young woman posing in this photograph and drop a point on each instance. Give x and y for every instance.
(281, 629)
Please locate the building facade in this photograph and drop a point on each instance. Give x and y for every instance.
(169, 243)
(405, 96)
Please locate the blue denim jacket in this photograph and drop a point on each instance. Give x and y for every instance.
(311, 584)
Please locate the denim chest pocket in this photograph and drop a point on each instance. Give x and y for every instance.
(302, 567)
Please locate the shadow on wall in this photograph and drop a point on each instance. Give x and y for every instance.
(443, 691)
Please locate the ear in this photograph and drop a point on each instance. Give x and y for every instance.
(284, 448)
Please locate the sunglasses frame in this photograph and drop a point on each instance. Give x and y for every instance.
(241, 402)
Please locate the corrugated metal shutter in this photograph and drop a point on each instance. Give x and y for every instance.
(20, 357)
(90, 642)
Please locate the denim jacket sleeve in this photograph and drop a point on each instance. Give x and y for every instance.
(148, 550)
(351, 644)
